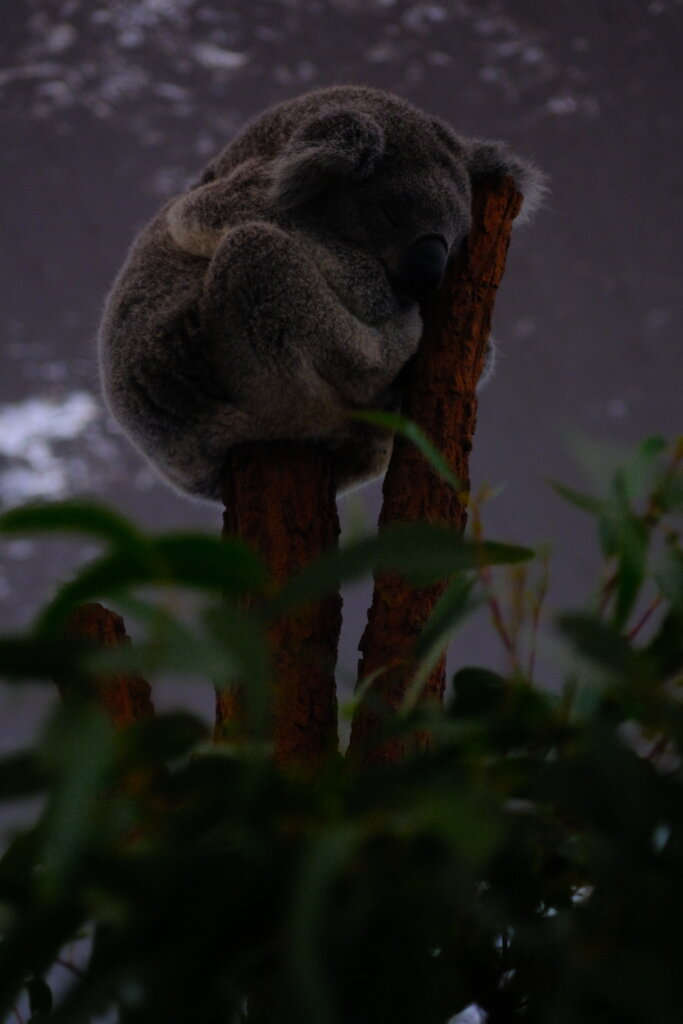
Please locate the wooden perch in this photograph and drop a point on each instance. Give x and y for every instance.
(280, 499)
(441, 398)
(125, 697)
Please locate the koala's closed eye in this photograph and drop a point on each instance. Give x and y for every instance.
(283, 291)
(387, 216)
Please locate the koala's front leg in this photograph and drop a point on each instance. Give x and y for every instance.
(286, 345)
(197, 220)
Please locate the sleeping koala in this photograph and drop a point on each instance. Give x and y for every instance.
(283, 290)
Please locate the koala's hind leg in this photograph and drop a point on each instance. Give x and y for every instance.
(193, 460)
(363, 454)
(282, 337)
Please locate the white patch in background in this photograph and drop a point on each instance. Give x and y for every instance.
(30, 431)
(60, 37)
(216, 58)
(562, 105)
(169, 91)
(472, 1015)
(422, 15)
(617, 408)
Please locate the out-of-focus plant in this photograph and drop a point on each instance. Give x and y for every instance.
(528, 864)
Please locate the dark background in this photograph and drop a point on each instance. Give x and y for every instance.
(110, 107)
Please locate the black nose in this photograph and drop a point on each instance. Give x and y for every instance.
(423, 267)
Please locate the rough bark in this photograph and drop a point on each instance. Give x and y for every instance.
(125, 697)
(441, 398)
(280, 499)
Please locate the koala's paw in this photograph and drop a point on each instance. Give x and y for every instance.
(485, 158)
(490, 362)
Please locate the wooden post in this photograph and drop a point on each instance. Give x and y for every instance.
(441, 398)
(280, 499)
(124, 696)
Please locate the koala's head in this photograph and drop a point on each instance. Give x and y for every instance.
(390, 180)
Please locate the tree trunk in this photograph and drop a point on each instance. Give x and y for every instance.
(280, 499)
(124, 697)
(441, 398)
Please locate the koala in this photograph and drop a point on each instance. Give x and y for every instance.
(282, 291)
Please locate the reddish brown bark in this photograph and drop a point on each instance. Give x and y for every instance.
(441, 398)
(125, 697)
(280, 499)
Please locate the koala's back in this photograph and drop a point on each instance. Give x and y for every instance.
(265, 135)
(157, 276)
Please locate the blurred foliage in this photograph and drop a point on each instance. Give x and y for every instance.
(530, 864)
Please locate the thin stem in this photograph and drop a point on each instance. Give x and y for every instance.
(536, 612)
(70, 966)
(644, 617)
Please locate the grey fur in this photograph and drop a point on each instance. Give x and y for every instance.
(282, 290)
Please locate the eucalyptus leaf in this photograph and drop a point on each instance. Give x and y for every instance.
(36, 658)
(423, 553)
(640, 470)
(477, 692)
(183, 560)
(40, 999)
(164, 737)
(603, 644)
(318, 873)
(80, 749)
(71, 517)
(454, 605)
(401, 425)
(586, 502)
(669, 577)
(20, 775)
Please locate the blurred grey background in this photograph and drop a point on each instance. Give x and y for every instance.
(110, 106)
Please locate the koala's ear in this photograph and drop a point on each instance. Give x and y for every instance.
(490, 158)
(338, 143)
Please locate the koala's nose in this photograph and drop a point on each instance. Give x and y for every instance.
(424, 267)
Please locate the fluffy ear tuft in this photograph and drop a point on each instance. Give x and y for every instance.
(486, 158)
(339, 143)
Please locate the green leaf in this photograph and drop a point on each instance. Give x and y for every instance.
(19, 862)
(32, 944)
(625, 537)
(164, 737)
(40, 1000)
(423, 553)
(320, 869)
(169, 645)
(639, 470)
(665, 650)
(668, 495)
(630, 572)
(401, 425)
(587, 502)
(70, 517)
(38, 657)
(108, 575)
(248, 664)
(602, 459)
(209, 563)
(478, 692)
(80, 748)
(20, 776)
(464, 820)
(188, 560)
(452, 607)
(601, 643)
(669, 577)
